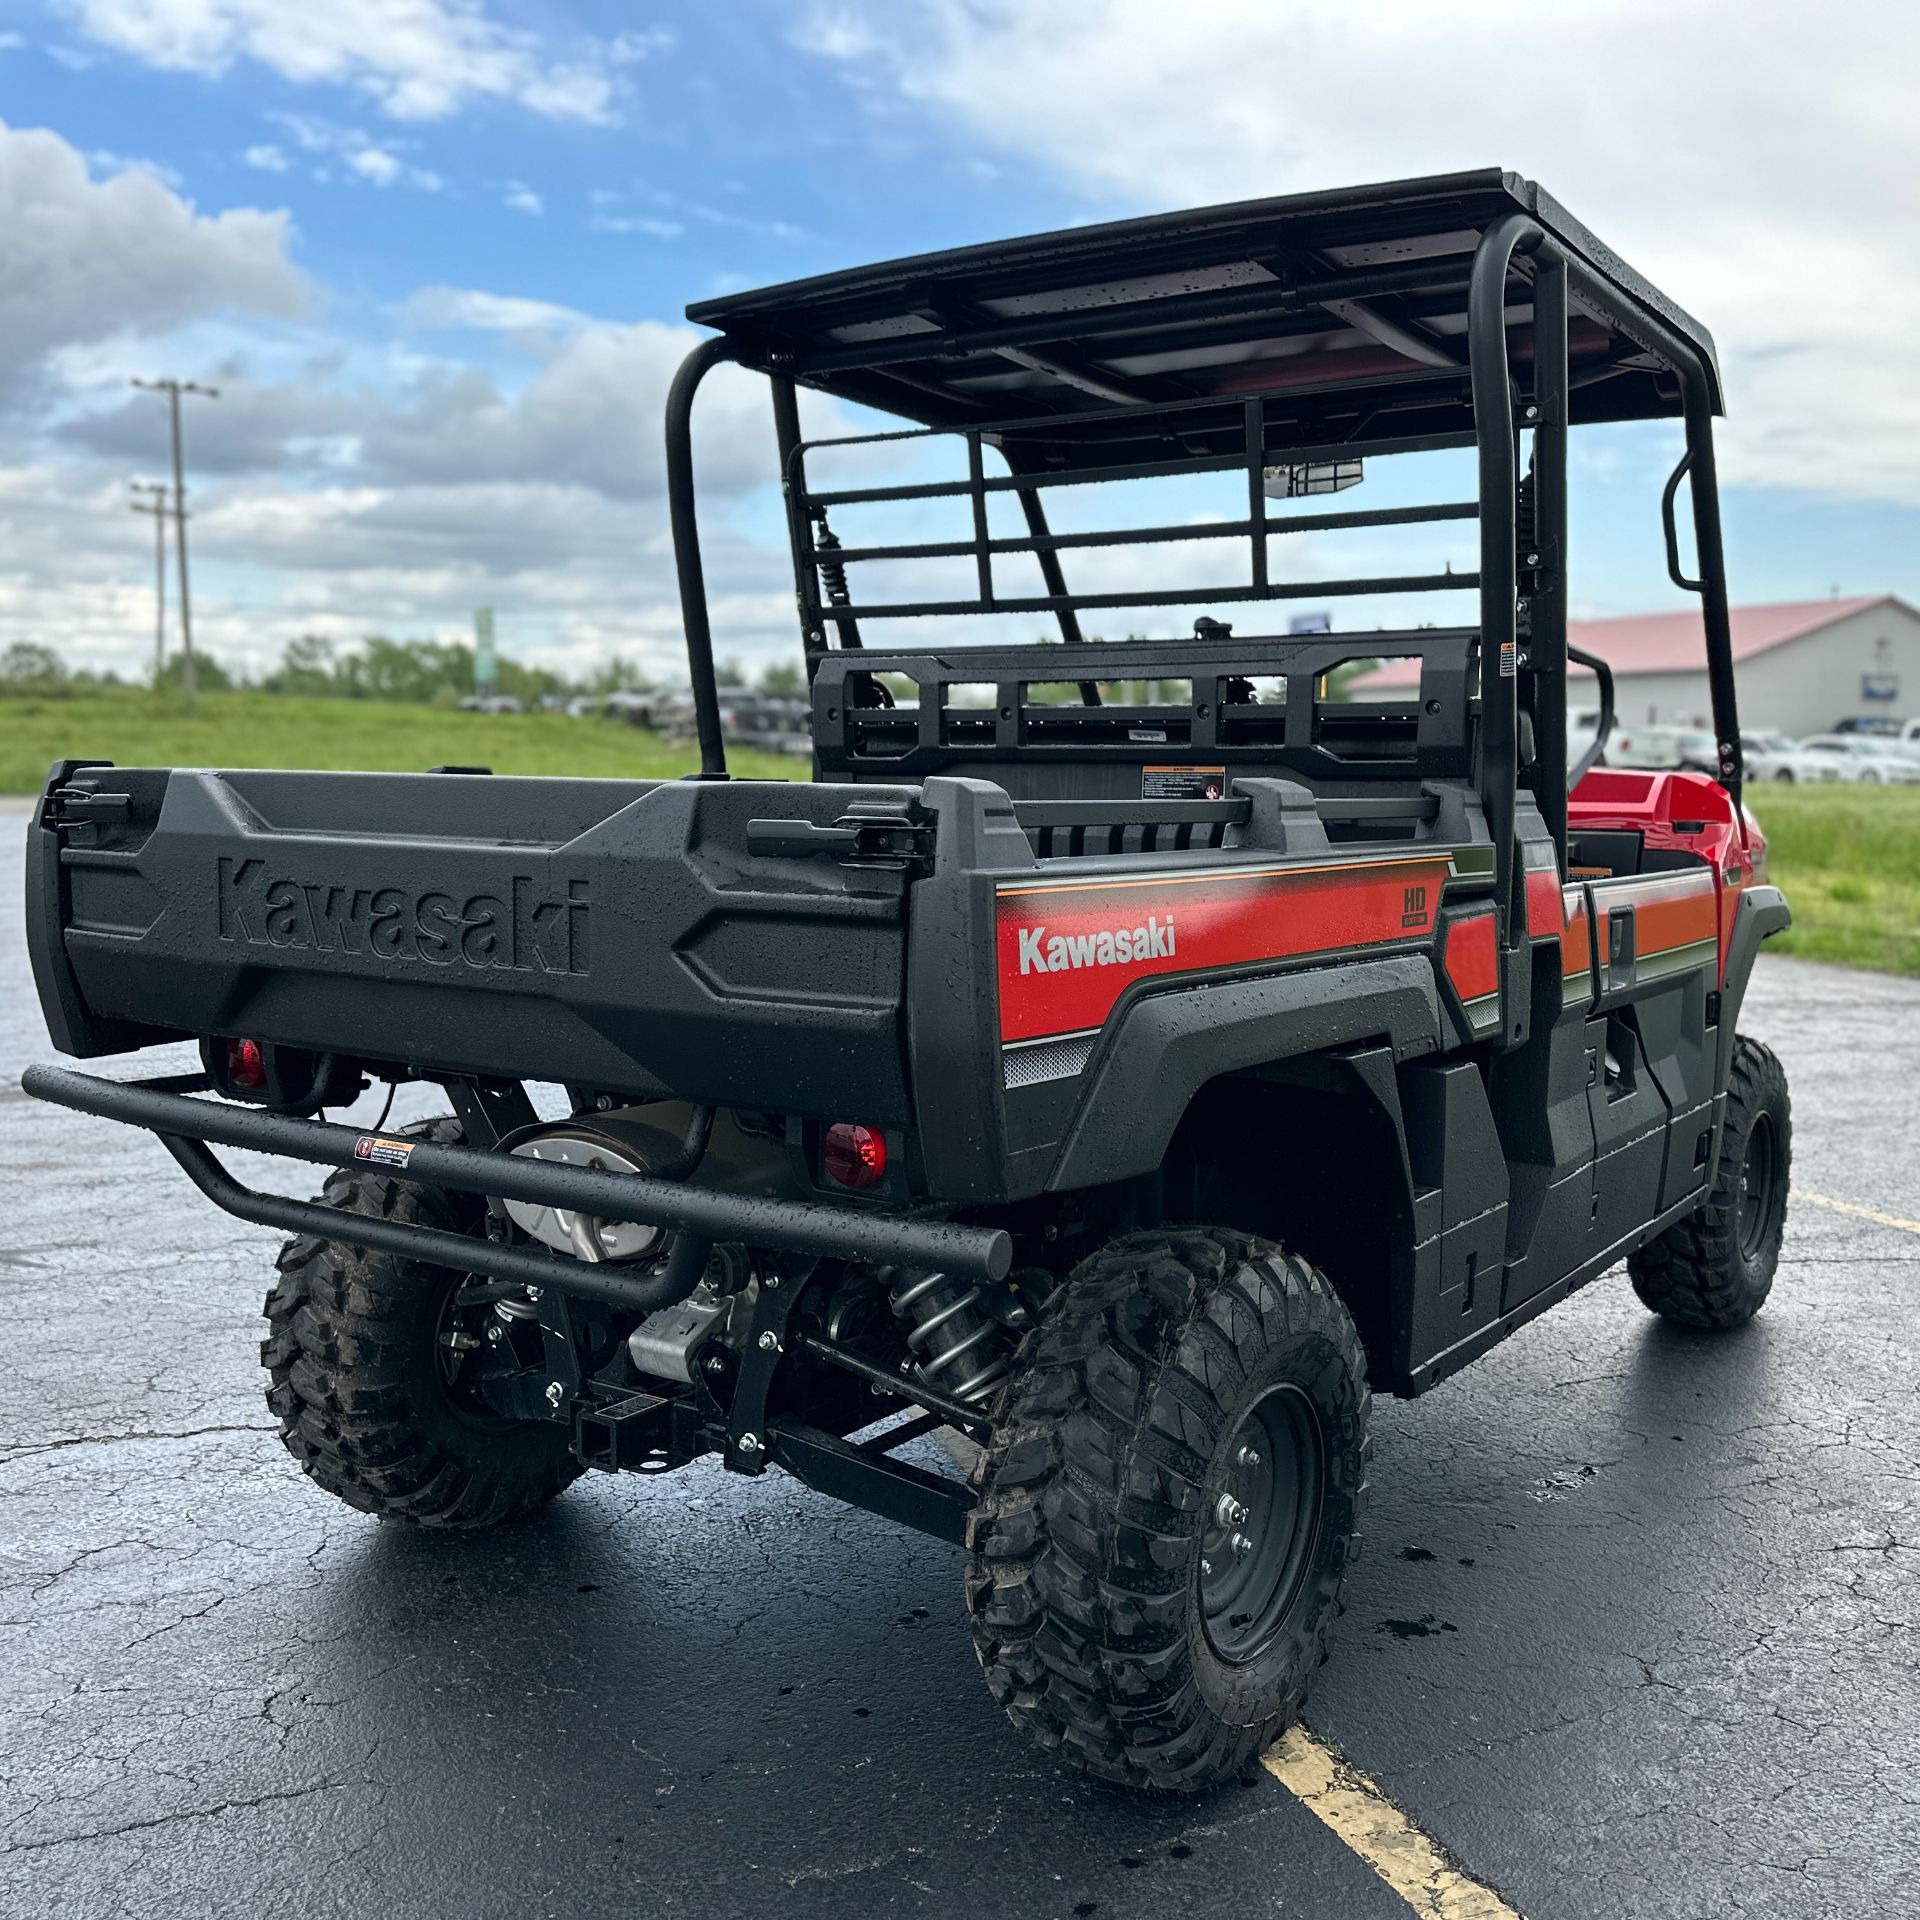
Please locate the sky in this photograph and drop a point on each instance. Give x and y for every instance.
(435, 255)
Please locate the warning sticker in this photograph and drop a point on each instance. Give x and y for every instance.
(1509, 649)
(1183, 783)
(382, 1153)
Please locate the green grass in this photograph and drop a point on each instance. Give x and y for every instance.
(268, 730)
(1848, 859)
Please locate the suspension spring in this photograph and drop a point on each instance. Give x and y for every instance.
(833, 571)
(962, 1349)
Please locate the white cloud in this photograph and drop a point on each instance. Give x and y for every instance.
(1756, 160)
(649, 224)
(267, 159)
(105, 160)
(590, 416)
(377, 163)
(470, 310)
(372, 163)
(83, 260)
(521, 198)
(255, 426)
(418, 59)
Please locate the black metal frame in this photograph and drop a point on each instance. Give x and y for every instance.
(167, 1108)
(1523, 600)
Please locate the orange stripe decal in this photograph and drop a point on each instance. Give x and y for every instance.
(1473, 956)
(1066, 952)
(1543, 903)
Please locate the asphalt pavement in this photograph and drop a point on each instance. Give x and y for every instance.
(1637, 1630)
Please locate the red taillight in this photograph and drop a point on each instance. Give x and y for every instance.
(853, 1155)
(246, 1065)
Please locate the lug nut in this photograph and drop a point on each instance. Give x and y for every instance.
(1228, 1511)
(1241, 1546)
(1249, 1457)
(1206, 1569)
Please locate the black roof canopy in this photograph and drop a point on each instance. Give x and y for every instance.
(1343, 312)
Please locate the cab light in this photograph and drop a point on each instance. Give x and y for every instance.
(853, 1155)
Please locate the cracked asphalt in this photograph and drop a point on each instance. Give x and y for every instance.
(1637, 1631)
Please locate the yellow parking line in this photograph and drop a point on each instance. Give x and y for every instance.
(1857, 1211)
(1368, 1822)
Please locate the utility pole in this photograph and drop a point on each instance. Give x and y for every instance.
(159, 506)
(173, 389)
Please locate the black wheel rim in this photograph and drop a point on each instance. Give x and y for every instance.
(1759, 1176)
(1262, 1523)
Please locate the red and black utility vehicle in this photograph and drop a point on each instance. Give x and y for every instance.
(1127, 1053)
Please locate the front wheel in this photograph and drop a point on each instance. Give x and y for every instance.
(1169, 1506)
(1715, 1269)
(367, 1356)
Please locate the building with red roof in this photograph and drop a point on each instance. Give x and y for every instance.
(1803, 665)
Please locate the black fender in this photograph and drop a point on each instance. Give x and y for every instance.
(1762, 912)
(1169, 1044)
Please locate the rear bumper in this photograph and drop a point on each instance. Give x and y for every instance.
(185, 1126)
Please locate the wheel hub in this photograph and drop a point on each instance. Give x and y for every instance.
(1261, 1528)
(1754, 1195)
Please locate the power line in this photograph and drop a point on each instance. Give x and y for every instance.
(173, 389)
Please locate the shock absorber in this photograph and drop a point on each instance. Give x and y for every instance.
(833, 570)
(962, 1349)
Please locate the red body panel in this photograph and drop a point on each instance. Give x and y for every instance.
(1473, 956)
(1682, 812)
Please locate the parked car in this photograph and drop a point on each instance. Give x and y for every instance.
(1660, 748)
(489, 703)
(1910, 733)
(1867, 758)
(1776, 756)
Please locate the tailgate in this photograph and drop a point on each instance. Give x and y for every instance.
(609, 934)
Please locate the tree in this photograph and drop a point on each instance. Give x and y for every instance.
(27, 667)
(782, 677)
(307, 666)
(209, 676)
(616, 676)
(416, 672)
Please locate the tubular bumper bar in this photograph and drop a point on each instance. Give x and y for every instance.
(185, 1124)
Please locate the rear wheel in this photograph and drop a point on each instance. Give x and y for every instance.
(1169, 1507)
(366, 1354)
(1715, 1269)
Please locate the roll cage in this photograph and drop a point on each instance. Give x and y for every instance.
(1447, 312)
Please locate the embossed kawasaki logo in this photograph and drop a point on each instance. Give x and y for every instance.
(529, 929)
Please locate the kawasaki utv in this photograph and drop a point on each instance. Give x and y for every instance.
(1128, 1054)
